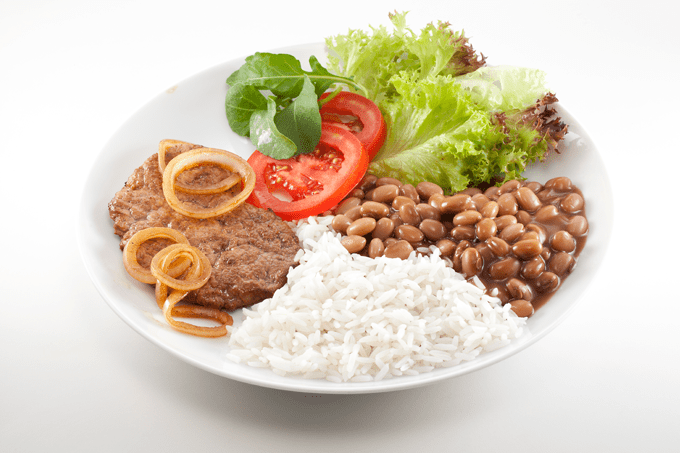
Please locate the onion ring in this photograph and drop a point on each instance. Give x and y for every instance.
(130, 262)
(198, 274)
(168, 304)
(219, 187)
(202, 156)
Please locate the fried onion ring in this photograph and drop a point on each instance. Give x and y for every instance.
(219, 187)
(209, 156)
(143, 274)
(168, 304)
(169, 291)
(197, 275)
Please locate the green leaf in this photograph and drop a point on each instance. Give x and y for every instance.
(265, 135)
(240, 103)
(301, 120)
(289, 122)
(282, 74)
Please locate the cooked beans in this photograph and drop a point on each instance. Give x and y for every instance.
(521, 239)
(383, 228)
(375, 209)
(354, 244)
(376, 248)
(399, 249)
(385, 194)
(361, 227)
(340, 223)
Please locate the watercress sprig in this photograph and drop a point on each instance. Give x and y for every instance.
(272, 100)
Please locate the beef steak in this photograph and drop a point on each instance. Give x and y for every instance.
(250, 249)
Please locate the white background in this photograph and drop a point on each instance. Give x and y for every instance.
(74, 377)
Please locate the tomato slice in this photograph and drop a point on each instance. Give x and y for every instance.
(365, 119)
(310, 184)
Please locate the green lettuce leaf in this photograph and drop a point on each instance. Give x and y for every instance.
(450, 119)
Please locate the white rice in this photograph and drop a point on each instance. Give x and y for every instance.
(345, 317)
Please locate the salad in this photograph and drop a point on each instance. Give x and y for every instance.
(422, 106)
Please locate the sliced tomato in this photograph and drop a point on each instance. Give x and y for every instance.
(310, 184)
(359, 115)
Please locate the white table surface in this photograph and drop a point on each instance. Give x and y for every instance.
(74, 377)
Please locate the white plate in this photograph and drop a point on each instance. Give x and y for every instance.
(193, 111)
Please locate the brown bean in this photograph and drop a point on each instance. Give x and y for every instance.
(562, 241)
(428, 212)
(374, 209)
(529, 236)
(353, 244)
(383, 228)
(512, 232)
(433, 230)
(546, 254)
(561, 184)
(527, 199)
(472, 191)
(507, 204)
(458, 253)
(527, 249)
(533, 268)
(456, 203)
(561, 263)
(390, 240)
(485, 252)
(471, 262)
(436, 201)
(505, 221)
(408, 190)
(498, 246)
(572, 203)
(340, 223)
(409, 233)
(539, 230)
(376, 248)
(493, 193)
(358, 193)
(400, 201)
(522, 308)
(368, 182)
(546, 195)
(426, 189)
(547, 213)
(446, 247)
(534, 186)
(386, 180)
(385, 193)
(577, 226)
(409, 214)
(399, 249)
(490, 210)
(347, 204)
(523, 217)
(547, 282)
(468, 217)
(509, 186)
(368, 196)
(361, 227)
(353, 213)
(480, 200)
(519, 289)
(396, 220)
(505, 268)
(463, 233)
(485, 229)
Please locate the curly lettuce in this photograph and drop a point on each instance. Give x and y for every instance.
(450, 119)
